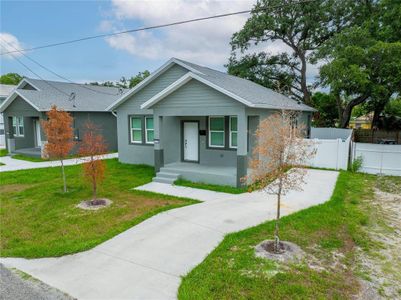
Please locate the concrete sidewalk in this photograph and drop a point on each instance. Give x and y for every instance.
(148, 260)
(12, 164)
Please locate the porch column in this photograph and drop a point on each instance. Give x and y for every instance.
(242, 148)
(8, 134)
(159, 154)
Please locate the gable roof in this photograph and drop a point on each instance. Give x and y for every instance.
(171, 62)
(47, 93)
(6, 89)
(243, 90)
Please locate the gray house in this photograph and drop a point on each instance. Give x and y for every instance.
(28, 103)
(196, 123)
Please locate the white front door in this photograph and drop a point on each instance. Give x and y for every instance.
(191, 141)
(37, 134)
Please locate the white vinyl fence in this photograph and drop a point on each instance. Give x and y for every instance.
(378, 158)
(332, 148)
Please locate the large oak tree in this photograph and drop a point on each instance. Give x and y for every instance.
(302, 26)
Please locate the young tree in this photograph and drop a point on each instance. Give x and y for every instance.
(93, 146)
(280, 153)
(59, 132)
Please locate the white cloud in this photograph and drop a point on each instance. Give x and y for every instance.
(9, 42)
(205, 42)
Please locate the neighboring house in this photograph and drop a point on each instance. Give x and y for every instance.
(362, 122)
(196, 123)
(5, 90)
(27, 106)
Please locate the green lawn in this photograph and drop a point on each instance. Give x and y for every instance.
(3, 152)
(37, 219)
(211, 187)
(328, 233)
(28, 158)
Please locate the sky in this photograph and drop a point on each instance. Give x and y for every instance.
(26, 24)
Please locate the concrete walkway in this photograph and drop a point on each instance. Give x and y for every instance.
(12, 164)
(148, 260)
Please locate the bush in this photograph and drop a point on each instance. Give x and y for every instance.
(356, 164)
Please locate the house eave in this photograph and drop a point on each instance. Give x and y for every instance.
(183, 80)
(148, 80)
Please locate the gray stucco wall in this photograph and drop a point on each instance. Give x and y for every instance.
(255, 116)
(172, 143)
(106, 122)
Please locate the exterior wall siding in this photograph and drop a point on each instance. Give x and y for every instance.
(19, 107)
(141, 154)
(106, 122)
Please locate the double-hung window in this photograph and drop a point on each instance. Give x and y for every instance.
(233, 132)
(136, 130)
(149, 130)
(18, 126)
(216, 132)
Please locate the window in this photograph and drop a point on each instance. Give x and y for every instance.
(18, 126)
(14, 125)
(233, 132)
(216, 132)
(136, 130)
(149, 130)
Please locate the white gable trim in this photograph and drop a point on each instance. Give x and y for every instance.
(183, 80)
(26, 81)
(12, 97)
(148, 80)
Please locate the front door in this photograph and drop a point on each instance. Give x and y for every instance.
(191, 141)
(37, 134)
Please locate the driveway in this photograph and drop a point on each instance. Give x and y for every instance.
(12, 164)
(148, 260)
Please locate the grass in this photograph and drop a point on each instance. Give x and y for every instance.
(232, 271)
(211, 187)
(38, 220)
(3, 152)
(39, 159)
(28, 158)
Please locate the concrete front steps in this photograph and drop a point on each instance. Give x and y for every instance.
(166, 177)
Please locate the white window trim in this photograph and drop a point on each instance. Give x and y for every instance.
(18, 125)
(210, 131)
(146, 131)
(233, 131)
(132, 129)
(14, 120)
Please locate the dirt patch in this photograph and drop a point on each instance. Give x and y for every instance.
(289, 252)
(381, 269)
(94, 204)
(13, 188)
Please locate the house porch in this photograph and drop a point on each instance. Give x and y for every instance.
(221, 175)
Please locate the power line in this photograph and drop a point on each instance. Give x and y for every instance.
(54, 73)
(37, 75)
(158, 26)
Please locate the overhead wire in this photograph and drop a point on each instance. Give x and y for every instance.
(159, 26)
(54, 73)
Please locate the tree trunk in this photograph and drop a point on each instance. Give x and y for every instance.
(348, 110)
(304, 85)
(276, 229)
(94, 188)
(339, 108)
(63, 172)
